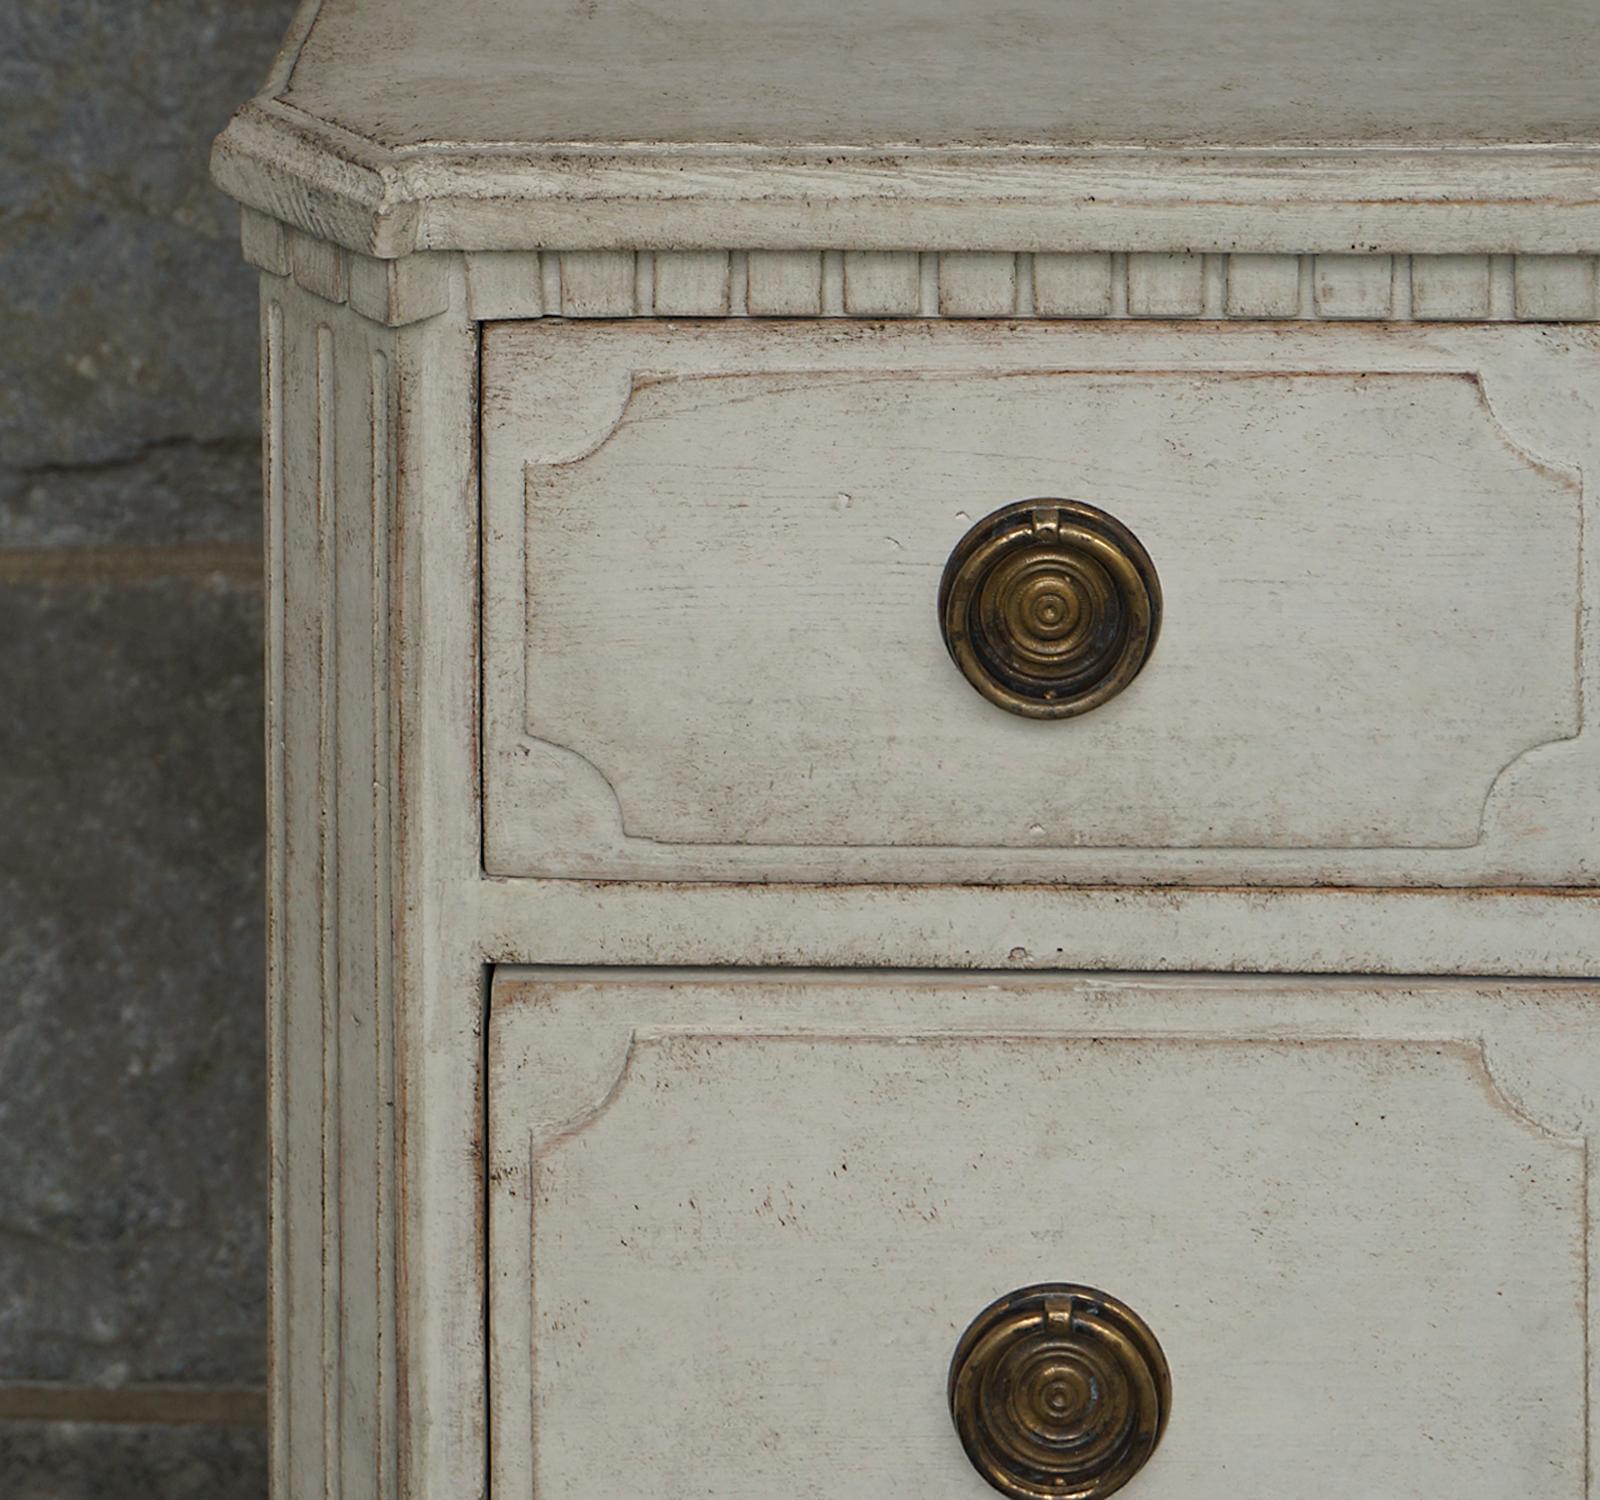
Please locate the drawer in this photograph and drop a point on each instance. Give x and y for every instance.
(738, 1225)
(713, 641)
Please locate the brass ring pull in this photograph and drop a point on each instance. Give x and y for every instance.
(1059, 1392)
(1050, 607)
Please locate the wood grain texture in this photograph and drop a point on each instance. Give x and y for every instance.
(349, 937)
(984, 284)
(880, 284)
(396, 292)
(1165, 286)
(264, 242)
(318, 265)
(388, 292)
(349, 1412)
(773, 302)
(1079, 286)
(1451, 286)
(1265, 286)
(784, 284)
(804, 1186)
(975, 285)
(1355, 286)
(507, 284)
(691, 284)
(598, 284)
(1556, 288)
(1458, 125)
(1247, 930)
(1418, 73)
(389, 204)
(329, 476)
(1346, 652)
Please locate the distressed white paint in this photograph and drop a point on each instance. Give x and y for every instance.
(506, 285)
(322, 268)
(410, 170)
(1556, 287)
(1076, 286)
(1369, 552)
(1165, 286)
(691, 284)
(1354, 286)
(1424, 930)
(368, 479)
(395, 292)
(408, 1190)
(1456, 125)
(1450, 286)
(264, 242)
(377, 1269)
(1264, 286)
(784, 284)
(976, 285)
(1415, 72)
(792, 283)
(879, 284)
(598, 284)
(744, 1222)
(329, 380)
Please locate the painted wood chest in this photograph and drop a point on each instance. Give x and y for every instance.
(934, 785)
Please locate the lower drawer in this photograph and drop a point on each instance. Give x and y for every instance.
(739, 1224)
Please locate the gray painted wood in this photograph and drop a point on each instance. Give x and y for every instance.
(664, 691)
(1453, 126)
(1411, 73)
(804, 1187)
(1368, 541)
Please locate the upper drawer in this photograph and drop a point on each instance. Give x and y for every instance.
(712, 634)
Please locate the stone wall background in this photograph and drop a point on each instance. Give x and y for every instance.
(131, 1051)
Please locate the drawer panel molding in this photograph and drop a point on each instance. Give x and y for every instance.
(1331, 1200)
(1369, 552)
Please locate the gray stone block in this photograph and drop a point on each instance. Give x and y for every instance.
(128, 314)
(76, 1461)
(172, 493)
(131, 1048)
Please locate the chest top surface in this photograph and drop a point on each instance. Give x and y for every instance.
(1047, 74)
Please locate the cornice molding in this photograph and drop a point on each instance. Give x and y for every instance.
(388, 202)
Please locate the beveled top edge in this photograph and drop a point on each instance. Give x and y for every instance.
(319, 178)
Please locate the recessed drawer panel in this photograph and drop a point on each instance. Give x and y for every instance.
(717, 645)
(738, 1226)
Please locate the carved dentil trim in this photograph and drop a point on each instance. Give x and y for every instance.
(932, 284)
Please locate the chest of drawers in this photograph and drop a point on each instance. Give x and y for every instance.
(933, 789)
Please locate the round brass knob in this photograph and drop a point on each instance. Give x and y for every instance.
(1050, 607)
(1059, 1392)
